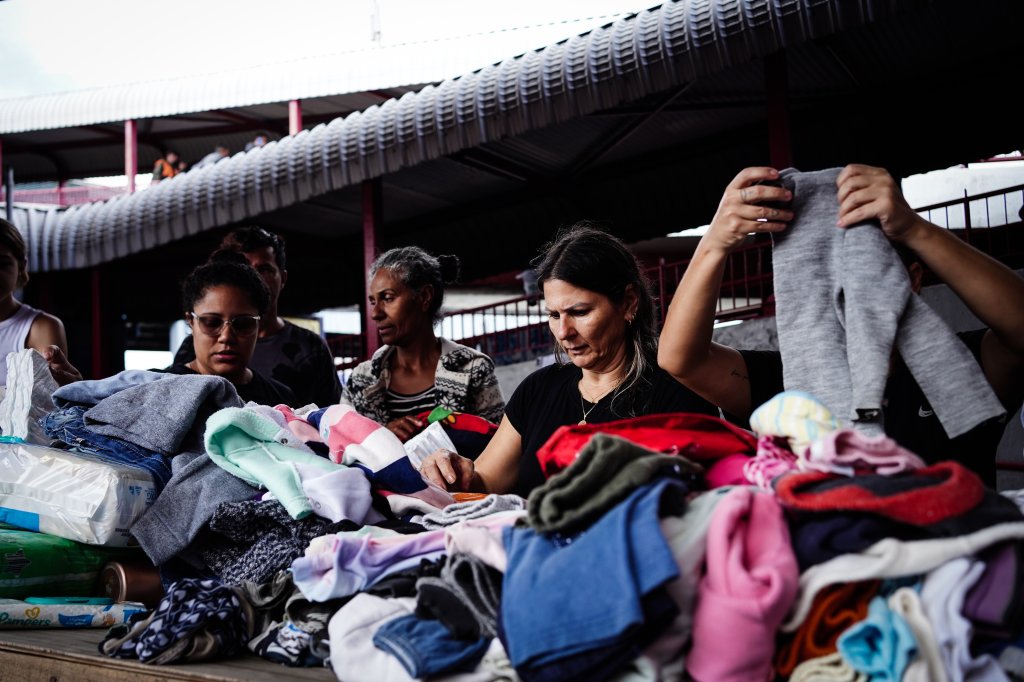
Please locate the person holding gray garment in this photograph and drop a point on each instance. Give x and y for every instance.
(739, 381)
(846, 294)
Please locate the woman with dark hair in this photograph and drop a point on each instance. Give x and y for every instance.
(293, 355)
(21, 325)
(415, 370)
(223, 301)
(601, 313)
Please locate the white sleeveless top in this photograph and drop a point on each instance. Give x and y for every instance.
(13, 332)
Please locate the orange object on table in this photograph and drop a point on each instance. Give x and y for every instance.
(468, 497)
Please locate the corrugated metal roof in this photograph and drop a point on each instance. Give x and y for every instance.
(305, 78)
(649, 53)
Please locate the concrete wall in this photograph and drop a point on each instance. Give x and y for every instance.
(509, 376)
(751, 335)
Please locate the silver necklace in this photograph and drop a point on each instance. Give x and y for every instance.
(586, 412)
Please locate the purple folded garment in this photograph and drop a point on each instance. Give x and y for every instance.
(995, 604)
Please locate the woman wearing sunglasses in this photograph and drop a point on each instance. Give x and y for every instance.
(223, 301)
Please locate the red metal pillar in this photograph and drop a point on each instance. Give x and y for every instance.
(3, 182)
(131, 153)
(294, 116)
(777, 90)
(372, 201)
(97, 324)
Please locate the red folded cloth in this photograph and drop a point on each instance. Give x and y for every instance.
(920, 497)
(699, 437)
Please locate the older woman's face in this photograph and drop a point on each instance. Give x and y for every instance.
(227, 352)
(400, 315)
(587, 325)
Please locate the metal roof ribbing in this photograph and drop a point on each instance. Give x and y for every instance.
(651, 52)
(376, 68)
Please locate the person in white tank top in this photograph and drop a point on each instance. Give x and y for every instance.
(21, 325)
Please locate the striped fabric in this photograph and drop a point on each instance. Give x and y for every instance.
(402, 404)
(355, 440)
(797, 415)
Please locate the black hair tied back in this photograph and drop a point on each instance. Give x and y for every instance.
(451, 268)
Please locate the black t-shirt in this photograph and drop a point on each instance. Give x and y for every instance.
(296, 357)
(262, 390)
(550, 398)
(909, 418)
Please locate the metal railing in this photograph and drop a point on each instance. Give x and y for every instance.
(982, 220)
(64, 196)
(990, 209)
(516, 329)
(348, 349)
(746, 290)
(509, 331)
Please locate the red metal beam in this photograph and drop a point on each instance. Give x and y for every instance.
(158, 141)
(131, 153)
(294, 116)
(372, 203)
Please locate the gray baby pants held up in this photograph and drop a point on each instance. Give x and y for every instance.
(843, 301)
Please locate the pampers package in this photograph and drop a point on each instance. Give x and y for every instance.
(19, 615)
(72, 495)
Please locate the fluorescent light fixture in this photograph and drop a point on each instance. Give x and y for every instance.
(692, 232)
(147, 359)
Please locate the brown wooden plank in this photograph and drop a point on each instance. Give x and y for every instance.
(72, 656)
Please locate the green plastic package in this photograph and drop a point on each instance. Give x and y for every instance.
(40, 565)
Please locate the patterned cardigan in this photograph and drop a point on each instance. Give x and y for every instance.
(464, 381)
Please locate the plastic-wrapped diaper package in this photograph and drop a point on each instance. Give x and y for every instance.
(19, 615)
(71, 495)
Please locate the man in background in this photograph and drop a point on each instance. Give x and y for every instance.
(294, 356)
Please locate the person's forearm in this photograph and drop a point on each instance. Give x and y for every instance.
(993, 292)
(494, 472)
(689, 324)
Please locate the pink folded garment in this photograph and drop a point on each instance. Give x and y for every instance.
(773, 459)
(727, 471)
(850, 452)
(750, 584)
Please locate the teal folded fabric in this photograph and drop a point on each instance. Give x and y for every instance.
(242, 442)
(881, 646)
